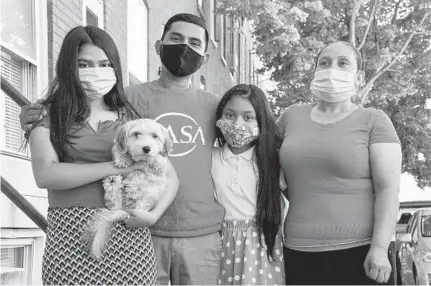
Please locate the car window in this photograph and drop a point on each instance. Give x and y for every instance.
(405, 218)
(426, 225)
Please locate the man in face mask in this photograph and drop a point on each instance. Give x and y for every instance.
(186, 238)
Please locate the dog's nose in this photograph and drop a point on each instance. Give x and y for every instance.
(146, 149)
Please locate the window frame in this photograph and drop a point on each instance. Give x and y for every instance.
(147, 55)
(29, 254)
(97, 7)
(39, 67)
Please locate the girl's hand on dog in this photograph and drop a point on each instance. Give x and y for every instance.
(135, 166)
(139, 218)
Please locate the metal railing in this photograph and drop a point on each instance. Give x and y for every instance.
(19, 200)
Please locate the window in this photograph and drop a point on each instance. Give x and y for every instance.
(22, 75)
(16, 266)
(137, 41)
(92, 18)
(426, 226)
(23, 62)
(93, 13)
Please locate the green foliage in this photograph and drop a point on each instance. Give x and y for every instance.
(394, 39)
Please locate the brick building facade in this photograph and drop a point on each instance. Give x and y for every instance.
(31, 38)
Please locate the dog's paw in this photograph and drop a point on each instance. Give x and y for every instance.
(113, 181)
(123, 162)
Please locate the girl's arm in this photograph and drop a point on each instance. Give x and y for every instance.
(140, 218)
(50, 174)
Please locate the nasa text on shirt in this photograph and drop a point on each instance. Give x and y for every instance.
(185, 132)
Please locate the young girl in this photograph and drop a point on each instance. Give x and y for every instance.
(71, 154)
(245, 170)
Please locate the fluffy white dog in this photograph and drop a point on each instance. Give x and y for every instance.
(142, 140)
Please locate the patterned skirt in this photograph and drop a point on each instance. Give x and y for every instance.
(244, 261)
(128, 258)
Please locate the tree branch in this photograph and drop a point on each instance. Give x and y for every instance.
(365, 90)
(370, 21)
(352, 28)
(376, 40)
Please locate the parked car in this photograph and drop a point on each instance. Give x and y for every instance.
(415, 252)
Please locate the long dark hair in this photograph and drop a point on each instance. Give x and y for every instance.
(66, 100)
(267, 146)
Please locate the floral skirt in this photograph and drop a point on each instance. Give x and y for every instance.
(128, 258)
(244, 260)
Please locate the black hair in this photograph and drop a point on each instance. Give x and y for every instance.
(354, 49)
(189, 18)
(66, 100)
(267, 146)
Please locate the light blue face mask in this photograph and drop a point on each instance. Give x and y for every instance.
(333, 85)
(237, 136)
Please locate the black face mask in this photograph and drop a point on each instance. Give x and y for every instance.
(180, 60)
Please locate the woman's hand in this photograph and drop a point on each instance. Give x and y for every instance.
(139, 218)
(124, 171)
(377, 265)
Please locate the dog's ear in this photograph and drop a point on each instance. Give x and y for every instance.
(120, 152)
(167, 142)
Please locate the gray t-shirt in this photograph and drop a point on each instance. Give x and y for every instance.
(189, 115)
(330, 187)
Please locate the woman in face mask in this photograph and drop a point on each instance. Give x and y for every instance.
(71, 154)
(342, 163)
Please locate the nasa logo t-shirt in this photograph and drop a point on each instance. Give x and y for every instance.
(189, 116)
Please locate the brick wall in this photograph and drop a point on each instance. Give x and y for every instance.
(116, 27)
(63, 15)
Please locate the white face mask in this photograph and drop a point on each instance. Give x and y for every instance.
(97, 82)
(333, 85)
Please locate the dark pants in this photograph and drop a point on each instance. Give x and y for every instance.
(339, 267)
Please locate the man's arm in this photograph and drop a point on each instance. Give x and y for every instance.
(30, 114)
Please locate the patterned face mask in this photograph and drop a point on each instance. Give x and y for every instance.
(237, 136)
